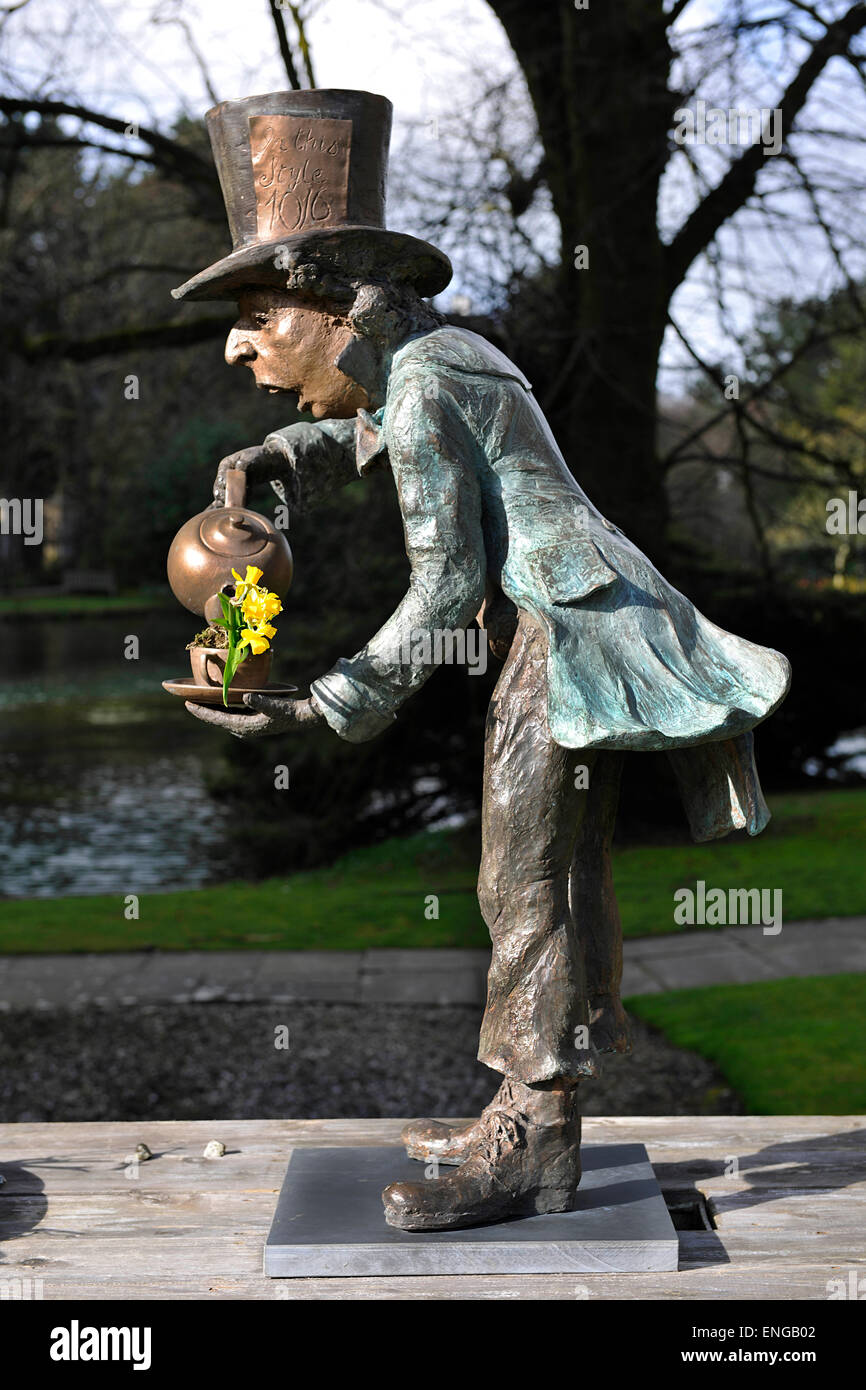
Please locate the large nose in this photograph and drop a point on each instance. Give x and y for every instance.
(239, 348)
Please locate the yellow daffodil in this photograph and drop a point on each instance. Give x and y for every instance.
(259, 605)
(252, 605)
(258, 638)
(243, 586)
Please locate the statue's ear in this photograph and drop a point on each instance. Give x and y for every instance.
(360, 361)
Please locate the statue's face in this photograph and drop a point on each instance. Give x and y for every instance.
(291, 345)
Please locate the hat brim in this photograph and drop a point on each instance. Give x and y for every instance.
(355, 250)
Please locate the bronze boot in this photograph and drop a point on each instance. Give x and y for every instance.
(430, 1139)
(526, 1161)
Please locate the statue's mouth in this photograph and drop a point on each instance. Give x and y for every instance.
(273, 390)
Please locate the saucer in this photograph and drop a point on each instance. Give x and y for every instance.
(187, 689)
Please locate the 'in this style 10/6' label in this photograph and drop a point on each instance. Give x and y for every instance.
(300, 173)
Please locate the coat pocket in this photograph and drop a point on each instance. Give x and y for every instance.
(570, 570)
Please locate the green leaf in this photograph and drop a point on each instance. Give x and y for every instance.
(233, 660)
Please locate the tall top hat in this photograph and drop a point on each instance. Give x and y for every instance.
(303, 180)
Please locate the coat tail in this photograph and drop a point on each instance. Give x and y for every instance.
(720, 787)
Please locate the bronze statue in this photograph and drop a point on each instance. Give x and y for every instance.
(601, 655)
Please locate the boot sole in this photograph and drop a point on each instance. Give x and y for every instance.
(544, 1203)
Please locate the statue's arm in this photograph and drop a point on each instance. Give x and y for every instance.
(431, 451)
(304, 463)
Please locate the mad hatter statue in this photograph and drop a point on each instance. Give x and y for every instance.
(601, 655)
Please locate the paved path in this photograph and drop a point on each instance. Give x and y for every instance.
(737, 955)
(733, 955)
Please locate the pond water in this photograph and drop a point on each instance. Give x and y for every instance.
(103, 775)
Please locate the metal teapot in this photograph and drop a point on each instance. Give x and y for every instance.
(209, 546)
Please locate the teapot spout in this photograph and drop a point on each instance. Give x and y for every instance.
(213, 608)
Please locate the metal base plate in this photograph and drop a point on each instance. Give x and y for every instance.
(329, 1222)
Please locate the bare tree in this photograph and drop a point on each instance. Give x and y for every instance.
(597, 235)
(34, 120)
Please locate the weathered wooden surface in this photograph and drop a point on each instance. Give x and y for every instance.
(790, 1213)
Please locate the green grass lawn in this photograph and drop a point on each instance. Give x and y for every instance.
(812, 850)
(789, 1047)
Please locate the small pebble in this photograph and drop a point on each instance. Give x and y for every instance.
(214, 1149)
(141, 1155)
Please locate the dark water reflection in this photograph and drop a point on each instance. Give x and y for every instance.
(103, 777)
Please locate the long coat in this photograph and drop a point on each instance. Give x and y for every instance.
(486, 495)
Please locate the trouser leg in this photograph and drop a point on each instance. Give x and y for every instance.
(594, 906)
(536, 1024)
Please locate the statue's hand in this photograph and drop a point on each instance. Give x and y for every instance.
(272, 716)
(257, 461)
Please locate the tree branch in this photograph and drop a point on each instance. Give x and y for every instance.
(155, 335)
(195, 51)
(303, 42)
(740, 412)
(738, 183)
(285, 50)
(6, 11)
(36, 141)
(676, 10)
(175, 158)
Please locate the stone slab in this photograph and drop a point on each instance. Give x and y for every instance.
(329, 1222)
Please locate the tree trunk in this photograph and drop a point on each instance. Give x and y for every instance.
(599, 83)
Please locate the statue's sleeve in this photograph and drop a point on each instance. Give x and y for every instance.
(432, 452)
(310, 461)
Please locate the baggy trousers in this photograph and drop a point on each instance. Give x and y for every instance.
(545, 887)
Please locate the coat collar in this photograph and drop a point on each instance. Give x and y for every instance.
(369, 444)
(451, 348)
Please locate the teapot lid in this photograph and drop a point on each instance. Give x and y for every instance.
(234, 533)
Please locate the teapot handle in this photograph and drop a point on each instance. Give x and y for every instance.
(236, 487)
